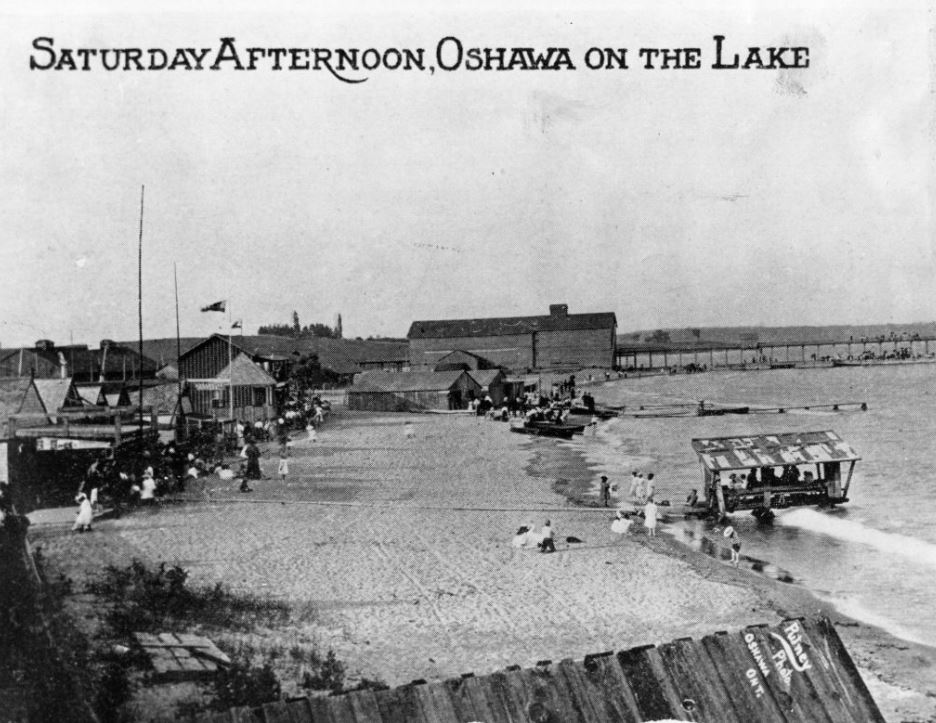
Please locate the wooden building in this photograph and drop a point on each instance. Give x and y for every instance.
(251, 386)
(559, 340)
(412, 391)
(45, 360)
(276, 355)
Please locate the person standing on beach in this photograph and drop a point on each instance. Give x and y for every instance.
(547, 545)
(605, 490)
(650, 487)
(283, 468)
(650, 517)
(735, 541)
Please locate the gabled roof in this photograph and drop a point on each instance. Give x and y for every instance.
(485, 376)
(379, 381)
(268, 347)
(162, 351)
(57, 393)
(163, 398)
(795, 672)
(507, 326)
(91, 394)
(12, 393)
(772, 450)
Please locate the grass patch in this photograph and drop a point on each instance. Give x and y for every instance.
(146, 599)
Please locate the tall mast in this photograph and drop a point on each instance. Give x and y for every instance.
(140, 306)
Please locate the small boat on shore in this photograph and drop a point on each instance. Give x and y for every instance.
(548, 429)
(601, 413)
(720, 411)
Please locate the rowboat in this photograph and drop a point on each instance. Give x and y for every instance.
(549, 429)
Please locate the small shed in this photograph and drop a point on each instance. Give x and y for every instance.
(492, 383)
(412, 391)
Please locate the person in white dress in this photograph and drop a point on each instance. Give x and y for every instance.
(621, 524)
(650, 517)
(85, 513)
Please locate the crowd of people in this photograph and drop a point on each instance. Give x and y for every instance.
(138, 478)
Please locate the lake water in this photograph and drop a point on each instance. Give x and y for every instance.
(875, 557)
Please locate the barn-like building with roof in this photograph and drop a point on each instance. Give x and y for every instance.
(559, 340)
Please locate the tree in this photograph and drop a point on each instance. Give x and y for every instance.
(296, 327)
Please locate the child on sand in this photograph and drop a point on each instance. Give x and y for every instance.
(732, 535)
(283, 468)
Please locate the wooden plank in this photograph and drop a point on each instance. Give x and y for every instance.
(434, 702)
(698, 687)
(500, 699)
(318, 710)
(276, 712)
(163, 662)
(834, 659)
(517, 695)
(743, 675)
(552, 691)
(187, 662)
(398, 705)
(606, 680)
(244, 715)
(339, 709)
(804, 702)
(648, 682)
(584, 697)
(364, 705)
(146, 639)
(808, 661)
(168, 639)
(468, 705)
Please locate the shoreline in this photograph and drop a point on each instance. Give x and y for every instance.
(399, 547)
(900, 673)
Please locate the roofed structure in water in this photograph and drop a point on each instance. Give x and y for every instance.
(798, 671)
(773, 450)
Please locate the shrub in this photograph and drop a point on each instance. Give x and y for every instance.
(243, 685)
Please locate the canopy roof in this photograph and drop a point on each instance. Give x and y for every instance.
(772, 450)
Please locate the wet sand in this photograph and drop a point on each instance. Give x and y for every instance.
(403, 548)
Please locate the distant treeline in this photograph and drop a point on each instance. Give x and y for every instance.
(297, 331)
(746, 335)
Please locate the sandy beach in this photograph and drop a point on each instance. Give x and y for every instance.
(402, 547)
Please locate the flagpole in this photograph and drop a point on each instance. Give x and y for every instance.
(230, 368)
(140, 305)
(178, 343)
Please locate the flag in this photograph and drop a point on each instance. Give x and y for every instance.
(217, 306)
(237, 324)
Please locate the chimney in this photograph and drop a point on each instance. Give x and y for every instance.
(559, 310)
(63, 365)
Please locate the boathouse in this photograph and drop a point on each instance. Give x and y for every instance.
(412, 391)
(559, 340)
(252, 388)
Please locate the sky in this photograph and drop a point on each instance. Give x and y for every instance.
(674, 198)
